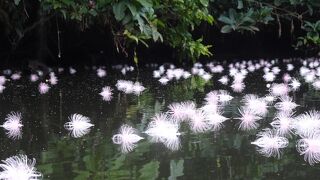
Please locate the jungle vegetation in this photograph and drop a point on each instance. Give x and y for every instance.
(135, 23)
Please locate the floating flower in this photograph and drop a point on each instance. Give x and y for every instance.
(224, 80)
(16, 76)
(181, 111)
(2, 87)
(72, 70)
(43, 88)
(257, 105)
(269, 76)
(199, 122)
(269, 143)
(237, 86)
(212, 97)
(137, 88)
(283, 123)
(3, 80)
(295, 84)
(309, 146)
(101, 72)
(285, 104)
(161, 129)
(53, 79)
(307, 123)
(224, 97)
(19, 168)
(248, 119)
(78, 125)
(279, 89)
(163, 80)
(13, 125)
(106, 93)
(125, 86)
(127, 138)
(34, 77)
(216, 120)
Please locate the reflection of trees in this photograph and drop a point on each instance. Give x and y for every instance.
(226, 154)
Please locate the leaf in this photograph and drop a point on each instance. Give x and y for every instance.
(226, 20)
(119, 10)
(149, 171)
(205, 3)
(145, 3)
(16, 2)
(176, 169)
(135, 58)
(132, 9)
(226, 29)
(240, 4)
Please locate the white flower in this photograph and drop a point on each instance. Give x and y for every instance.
(216, 120)
(269, 143)
(269, 77)
(257, 105)
(307, 123)
(53, 79)
(3, 80)
(127, 138)
(2, 88)
(181, 111)
(295, 84)
(309, 146)
(161, 129)
(34, 77)
(224, 97)
(19, 168)
(43, 88)
(283, 123)
(16, 76)
(224, 80)
(72, 70)
(279, 89)
(285, 104)
(248, 119)
(78, 125)
(163, 80)
(137, 88)
(237, 86)
(212, 97)
(13, 125)
(199, 122)
(101, 72)
(106, 93)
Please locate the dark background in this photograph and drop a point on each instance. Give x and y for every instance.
(95, 45)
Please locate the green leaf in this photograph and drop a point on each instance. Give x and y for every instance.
(119, 10)
(146, 3)
(205, 3)
(16, 2)
(135, 58)
(132, 9)
(176, 169)
(226, 29)
(240, 4)
(226, 20)
(149, 171)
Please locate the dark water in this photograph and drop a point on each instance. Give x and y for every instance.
(226, 154)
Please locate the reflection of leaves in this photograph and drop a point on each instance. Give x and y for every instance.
(150, 171)
(176, 169)
(116, 171)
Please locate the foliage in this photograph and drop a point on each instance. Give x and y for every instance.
(251, 15)
(138, 21)
(171, 22)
